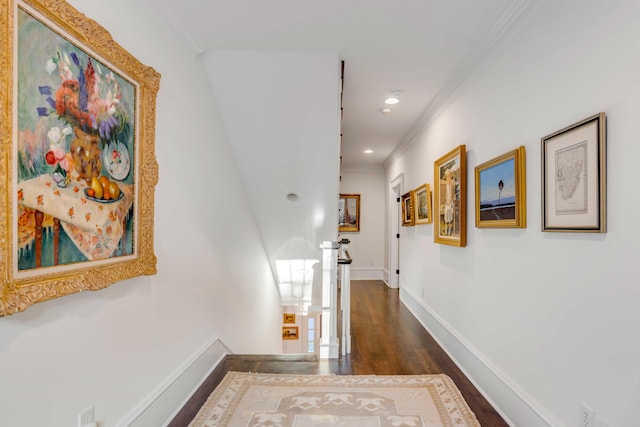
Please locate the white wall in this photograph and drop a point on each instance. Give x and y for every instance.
(541, 321)
(281, 112)
(117, 348)
(366, 247)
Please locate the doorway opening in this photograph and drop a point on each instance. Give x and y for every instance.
(395, 191)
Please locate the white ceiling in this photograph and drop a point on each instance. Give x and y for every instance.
(424, 48)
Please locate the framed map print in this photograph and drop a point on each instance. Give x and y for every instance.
(574, 187)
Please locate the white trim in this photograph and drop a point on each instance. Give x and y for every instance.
(514, 405)
(163, 403)
(357, 167)
(367, 274)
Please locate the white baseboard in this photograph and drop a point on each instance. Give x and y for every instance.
(513, 404)
(162, 405)
(367, 273)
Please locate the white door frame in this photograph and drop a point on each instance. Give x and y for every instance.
(395, 191)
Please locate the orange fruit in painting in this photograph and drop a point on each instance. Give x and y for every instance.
(106, 195)
(91, 192)
(114, 190)
(96, 187)
(104, 181)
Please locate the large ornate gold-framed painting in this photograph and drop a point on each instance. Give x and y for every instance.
(77, 160)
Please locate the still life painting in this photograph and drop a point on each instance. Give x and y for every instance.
(74, 150)
(79, 130)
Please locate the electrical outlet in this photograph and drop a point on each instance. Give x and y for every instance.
(86, 417)
(587, 417)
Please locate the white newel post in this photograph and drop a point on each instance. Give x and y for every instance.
(345, 295)
(329, 347)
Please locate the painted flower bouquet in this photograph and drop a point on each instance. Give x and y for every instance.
(88, 102)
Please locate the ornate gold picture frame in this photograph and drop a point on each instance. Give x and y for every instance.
(501, 192)
(77, 159)
(450, 198)
(422, 205)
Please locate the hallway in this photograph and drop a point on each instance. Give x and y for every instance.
(386, 340)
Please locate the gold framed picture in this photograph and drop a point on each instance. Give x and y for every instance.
(289, 318)
(349, 212)
(78, 140)
(407, 209)
(422, 205)
(290, 333)
(574, 177)
(450, 198)
(501, 198)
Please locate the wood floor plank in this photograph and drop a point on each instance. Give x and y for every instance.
(386, 339)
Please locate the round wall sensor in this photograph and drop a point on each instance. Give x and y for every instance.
(292, 197)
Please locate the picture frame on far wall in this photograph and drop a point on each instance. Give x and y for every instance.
(289, 332)
(288, 318)
(77, 143)
(406, 200)
(450, 198)
(501, 196)
(574, 178)
(349, 213)
(422, 205)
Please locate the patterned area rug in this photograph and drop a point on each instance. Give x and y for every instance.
(281, 400)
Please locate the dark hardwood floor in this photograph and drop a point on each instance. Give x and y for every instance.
(385, 340)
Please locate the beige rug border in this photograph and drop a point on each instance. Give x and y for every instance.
(343, 380)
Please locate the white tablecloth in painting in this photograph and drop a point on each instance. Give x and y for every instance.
(96, 228)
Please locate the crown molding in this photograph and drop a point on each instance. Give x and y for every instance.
(505, 27)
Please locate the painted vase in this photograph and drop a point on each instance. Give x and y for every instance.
(85, 151)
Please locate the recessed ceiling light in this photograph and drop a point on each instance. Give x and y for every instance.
(368, 151)
(385, 110)
(394, 98)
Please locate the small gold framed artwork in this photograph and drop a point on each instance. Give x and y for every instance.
(349, 213)
(501, 191)
(289, 332)
(289, 318)
(450, 198)
(422, 205)
(407, 209)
